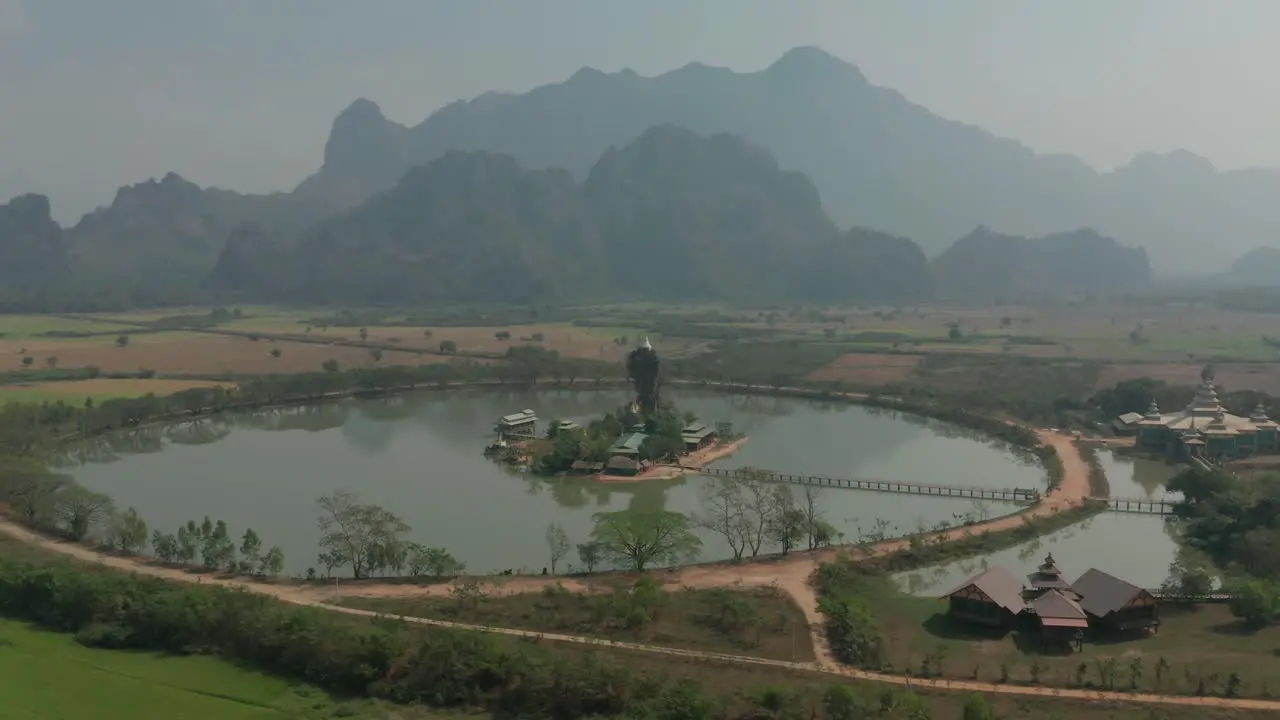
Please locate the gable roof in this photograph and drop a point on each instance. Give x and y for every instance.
(999, 585)
(1103, 594)
(1057, 610)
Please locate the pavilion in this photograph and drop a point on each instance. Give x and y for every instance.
(1059, 611)
(1203, 429)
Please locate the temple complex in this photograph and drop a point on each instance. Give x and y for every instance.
(1202, 429)
(1057, 610)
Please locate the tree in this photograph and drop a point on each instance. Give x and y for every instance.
(51, 361)
(840, 702)
(448, 347)
(80, 510)
(722, 511)
(1256, 602)
(364, 334)
(128, 531)
(376, 354)
(251, 550)
(758, 510)
(352, 530)
(639, 539)
(434, 561)
(811, 509)
(27, 360)
(852, 632)
(217, 550)
(188, 542)
(272, 563)
(165, 547)
(122, 340)
(275, 352)
(503, 335)
(954, 332)
(976, 708)
(589, 555)
(557, 544)
(30, 490)
(786, 521)
(330, 365)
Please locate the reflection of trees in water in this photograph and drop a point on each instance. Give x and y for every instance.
(198, 432)
(1151, 475)
(368, 436)
(309, 418)
(577, 492)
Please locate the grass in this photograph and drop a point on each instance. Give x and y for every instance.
(24, 327)
(758, 622)
(75, 392)
(1197, 643)
(49, 675)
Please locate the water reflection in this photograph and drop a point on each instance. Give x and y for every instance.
(1136, 548)
(1136, 476)
(420, 455)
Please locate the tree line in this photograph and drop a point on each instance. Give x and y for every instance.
(385, 659)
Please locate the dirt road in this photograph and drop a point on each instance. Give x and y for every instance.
(789, 574)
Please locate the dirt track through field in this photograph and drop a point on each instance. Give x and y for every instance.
(789, 574)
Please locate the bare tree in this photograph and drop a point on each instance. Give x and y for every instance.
(723, 511)
(81, 509)
(557, 544)
(758, 508)
(355, 533)
(814, 522)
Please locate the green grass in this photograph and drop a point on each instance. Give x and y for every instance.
(1203, 642)
(49, 675)
(27, 327)
(760, 622)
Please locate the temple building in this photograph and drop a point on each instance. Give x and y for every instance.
(1058, 611)
(1203, 429)
(521, 423)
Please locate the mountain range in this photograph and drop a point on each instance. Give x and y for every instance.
(548, 190)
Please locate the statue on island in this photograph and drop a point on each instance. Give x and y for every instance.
(642, 369)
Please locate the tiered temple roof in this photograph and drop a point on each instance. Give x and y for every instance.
(1205, 415)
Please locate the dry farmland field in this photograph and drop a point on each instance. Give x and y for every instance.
(192, 353)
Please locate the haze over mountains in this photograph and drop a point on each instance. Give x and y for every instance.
(701, 182)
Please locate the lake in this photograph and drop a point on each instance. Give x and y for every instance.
(419, 455)
(1136, 548)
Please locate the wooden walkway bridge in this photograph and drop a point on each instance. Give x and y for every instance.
(1016, 495)
(1138, 506)
(1141, 506)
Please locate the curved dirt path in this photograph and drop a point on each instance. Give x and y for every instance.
(790, 574)
(309, 597)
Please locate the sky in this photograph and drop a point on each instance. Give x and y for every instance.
(241, 93)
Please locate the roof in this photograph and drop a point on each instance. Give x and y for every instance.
(1057, 610)
(1103, 594)
(618, 462)
(630, 443)
(999, 585)
(567, 425)
(1129, 418)
(523, 416)
(696, 432)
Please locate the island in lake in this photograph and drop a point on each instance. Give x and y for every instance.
(643, 440)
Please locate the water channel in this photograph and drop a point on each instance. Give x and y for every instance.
(1136, 548)
(419, 455)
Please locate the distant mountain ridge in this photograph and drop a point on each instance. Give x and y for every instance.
(671, 216)
(878, 160)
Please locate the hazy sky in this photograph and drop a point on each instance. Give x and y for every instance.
(241, 93)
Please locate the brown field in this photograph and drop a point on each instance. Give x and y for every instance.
(1262, 377)
(867, 368)
(197, 354)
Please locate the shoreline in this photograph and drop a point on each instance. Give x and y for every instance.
(667, 471)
